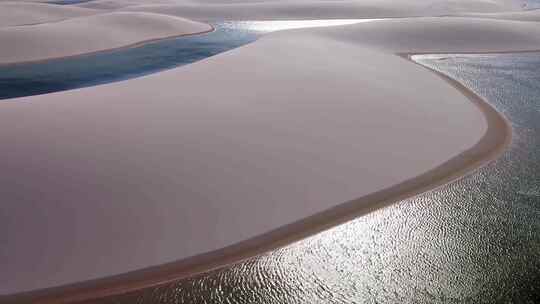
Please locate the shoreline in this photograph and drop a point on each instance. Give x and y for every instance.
(129, 46)
(492, 144)
(212, 29)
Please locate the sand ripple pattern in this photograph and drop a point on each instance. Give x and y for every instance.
(476, 240)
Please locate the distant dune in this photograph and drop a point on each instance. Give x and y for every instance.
(434, 35)
(115, 4)
(89, 34)
(271, 10)
(532, 15)
(23, 13)
(248, 150)
(202, 157)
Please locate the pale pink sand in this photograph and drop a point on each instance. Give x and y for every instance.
(25, 13)
(272, 10)
(105, 180)
(90, 34)
(116, 4)
(123, 176)
(532, 15)
(436, 35)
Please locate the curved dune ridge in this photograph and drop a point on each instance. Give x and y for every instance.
(532, 15)
(246, 151)
(437, 35)
(275, 9)
(116, 4)
(281, 133)
(90, 34)
(27, 13)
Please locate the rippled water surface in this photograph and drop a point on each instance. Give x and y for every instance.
(476, 240)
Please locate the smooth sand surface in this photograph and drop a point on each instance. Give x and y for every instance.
(171, 173)
(90, 34)
(532, 15)
(247, 150)
(272, 10)
(437, 35)
(114, 178)
(26, 13)
(116, 4)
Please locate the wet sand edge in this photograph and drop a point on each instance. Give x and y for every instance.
(488, 148)
(128, 46)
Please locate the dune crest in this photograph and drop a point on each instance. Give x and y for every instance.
(27, 13)
(90, 34)
(301, 138)
(229, 157)
(531, 15)
(274, 9)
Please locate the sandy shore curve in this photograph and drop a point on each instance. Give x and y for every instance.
(288, 147)
(490, 147)
(103, 32)
(19, 13)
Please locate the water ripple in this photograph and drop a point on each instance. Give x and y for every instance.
(476, 240)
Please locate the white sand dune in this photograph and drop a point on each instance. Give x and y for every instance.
(118, 177)
(532, 15)
(116, 4)
(24, 13)
(89, 34)
(272, 10)
(433, 35)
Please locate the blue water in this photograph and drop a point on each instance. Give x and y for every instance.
(476, 240)
(18, 80)
(87, 70)
(532, 4)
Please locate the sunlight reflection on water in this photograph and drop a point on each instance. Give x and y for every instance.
(272, 26)
(110, 66)
(476, 240)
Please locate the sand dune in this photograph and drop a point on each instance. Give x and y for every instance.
(23, 13)
(266, 10)
(232, 147)
(532, 15)
(116, 4)
(433, 35)
(89, 34)
(325, 122)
